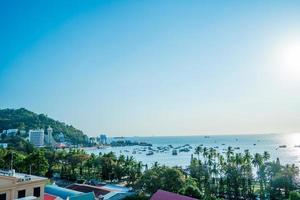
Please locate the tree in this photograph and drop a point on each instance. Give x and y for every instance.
(37, 163)
(161, 177)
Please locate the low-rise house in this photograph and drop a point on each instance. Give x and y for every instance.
(164, 195)
(98, 191)
(105, 192)
(68, 194)
(17, 186)
(10, 132)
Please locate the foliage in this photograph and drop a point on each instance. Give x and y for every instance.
(25, 120)
(161, 177)
(212, 175)
(294, 195)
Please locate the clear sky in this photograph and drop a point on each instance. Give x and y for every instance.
(154, 67)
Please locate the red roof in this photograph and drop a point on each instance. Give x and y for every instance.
(164, 195)
(49, 197)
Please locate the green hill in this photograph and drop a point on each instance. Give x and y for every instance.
(25, 120)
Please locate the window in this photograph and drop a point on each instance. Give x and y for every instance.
(3, 196)
(37, 192)
(21, 193)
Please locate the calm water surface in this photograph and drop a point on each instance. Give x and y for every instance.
(266, 142)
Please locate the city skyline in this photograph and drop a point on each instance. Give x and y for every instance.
(137, 68)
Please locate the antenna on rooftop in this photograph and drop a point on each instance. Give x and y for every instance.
(11, 161)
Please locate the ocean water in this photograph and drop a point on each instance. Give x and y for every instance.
(255, 144)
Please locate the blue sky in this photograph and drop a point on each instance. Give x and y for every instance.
(154, 67)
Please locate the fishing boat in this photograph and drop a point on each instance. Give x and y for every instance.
(149, 153)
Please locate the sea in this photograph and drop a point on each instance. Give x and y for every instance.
(283, 146)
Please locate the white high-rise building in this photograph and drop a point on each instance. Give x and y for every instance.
(49, 135)
(36, 137)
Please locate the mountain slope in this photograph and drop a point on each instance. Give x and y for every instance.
(25, 119)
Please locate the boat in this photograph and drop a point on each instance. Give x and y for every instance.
(282, 146)
(149, 153)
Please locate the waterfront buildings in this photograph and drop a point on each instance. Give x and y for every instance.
(36, 137)
(16, 186)
(103, 139)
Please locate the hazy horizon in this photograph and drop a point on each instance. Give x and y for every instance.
(143, 68)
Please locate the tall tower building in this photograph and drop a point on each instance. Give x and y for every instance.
(49, 135)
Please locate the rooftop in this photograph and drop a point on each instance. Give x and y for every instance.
(20, 176)
(89, 188)
(66, 193)
(164, 195)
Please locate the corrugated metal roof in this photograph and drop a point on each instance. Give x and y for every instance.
(61, 192)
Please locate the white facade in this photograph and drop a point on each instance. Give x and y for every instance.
(36, 137)
(49, 135)
(10, 132)
(3, 145)
(21, 186)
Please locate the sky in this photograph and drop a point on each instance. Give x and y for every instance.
(154, 68)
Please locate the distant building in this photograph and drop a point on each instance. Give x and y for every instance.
(3, 145)
(16, 185)
(103, 139)
(49, 138)
(22, 132)
(61, 137)
(10, 132)
(36, 137)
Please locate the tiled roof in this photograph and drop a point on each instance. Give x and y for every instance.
(164, 195)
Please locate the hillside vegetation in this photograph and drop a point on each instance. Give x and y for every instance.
(25, 120)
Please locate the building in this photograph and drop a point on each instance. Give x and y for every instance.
(164, 195)
(104, 192)
(3, 145)
(103, 139)
(16, 186)
(98, 191)
(61, 137)
(10, 132)
(36, 137)
(49, 138)
(65, 193)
